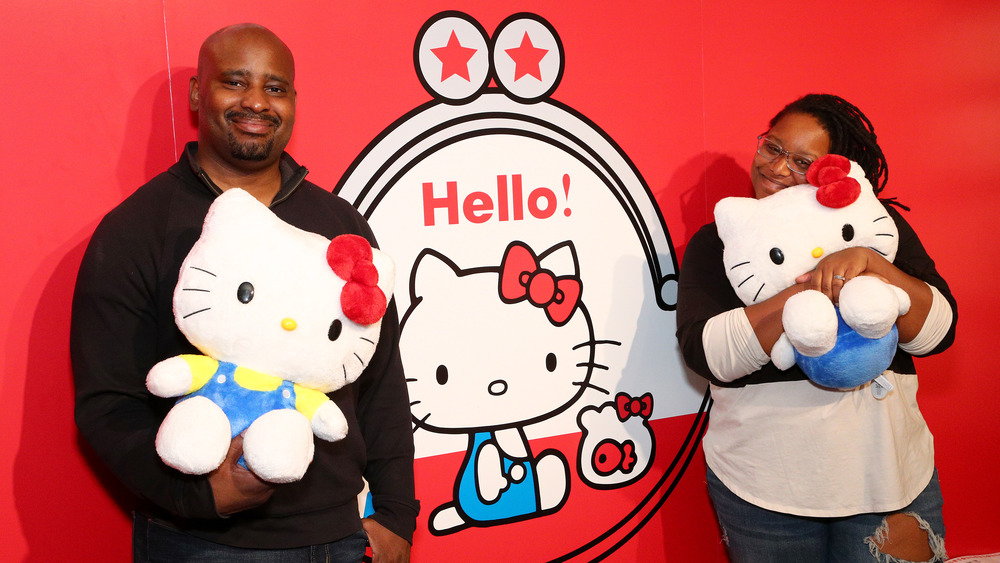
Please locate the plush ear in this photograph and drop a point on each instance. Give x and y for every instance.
(731, 215)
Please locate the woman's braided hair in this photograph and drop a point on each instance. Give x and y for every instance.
(851, 133)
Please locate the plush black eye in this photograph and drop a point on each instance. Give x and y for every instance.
(335, 327)
(550, 362)
(442, 374)
(776, 255)
(245, 292)
(848, 232)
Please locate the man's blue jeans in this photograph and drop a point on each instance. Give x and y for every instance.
(154, 542)
(756, 535)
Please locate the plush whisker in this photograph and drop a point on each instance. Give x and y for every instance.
(890, 235)
(880, 218)
(196, 289)
(359, 359)
(204, 270)
(198, 311)
(740, 264)
(877, 250)
(756, 295)
(368, 340)
(745, 281)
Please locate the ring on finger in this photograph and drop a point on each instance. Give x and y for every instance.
(839, 277)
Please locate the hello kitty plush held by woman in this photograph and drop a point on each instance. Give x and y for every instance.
(846, 474)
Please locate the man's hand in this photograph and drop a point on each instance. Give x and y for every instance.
(387, 547)
(235, 488)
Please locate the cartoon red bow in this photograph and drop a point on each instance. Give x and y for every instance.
(627, 406)
(350, 257)
(611, 456)
(521, 278)
(836, 188)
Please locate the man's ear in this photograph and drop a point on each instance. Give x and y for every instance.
(193, 93)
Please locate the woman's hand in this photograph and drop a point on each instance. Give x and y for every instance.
(838, 268)
(833, 271)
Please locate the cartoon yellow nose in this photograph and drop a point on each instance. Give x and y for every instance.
(817, 252)
(289, 324)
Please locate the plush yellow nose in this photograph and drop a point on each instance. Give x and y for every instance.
(817, 252)
(289, 324)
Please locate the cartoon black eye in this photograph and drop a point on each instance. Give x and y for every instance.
(245, 292)
(847, 232)
(550, 362)
(776, 256)
(335, 327)
(442, 374)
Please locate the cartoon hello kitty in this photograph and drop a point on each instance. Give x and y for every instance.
(489, 351)
(283, 316)
(771, 241)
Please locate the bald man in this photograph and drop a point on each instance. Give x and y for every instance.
(244, 96)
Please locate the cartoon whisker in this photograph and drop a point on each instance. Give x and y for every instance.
(411, 379)
(590, 385)
(198, 311)
(204, 270)
(592, 365)
(589, 343)
(740, 264)
(196, 289)
(412, 403)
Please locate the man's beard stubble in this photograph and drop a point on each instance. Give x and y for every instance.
(251, 150)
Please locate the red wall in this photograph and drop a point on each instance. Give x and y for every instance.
(97, 104)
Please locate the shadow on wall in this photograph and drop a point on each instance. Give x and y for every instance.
(718, 176)
(70, 506)
(160, 122)
(61, 491)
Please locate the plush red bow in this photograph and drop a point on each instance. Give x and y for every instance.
(627, 406)
(836, 188)
(521, 278)
(611, 456)
(350, 257)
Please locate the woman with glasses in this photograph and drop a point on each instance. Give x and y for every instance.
(776, 499)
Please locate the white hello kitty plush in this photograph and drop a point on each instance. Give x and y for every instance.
(771, 241)
(283, 317)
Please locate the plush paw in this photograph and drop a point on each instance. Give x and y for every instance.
(328, 423)
(782, 353)
(870, 306)
(170, 378)
(194, 437)
(278, 446)
(810, 323)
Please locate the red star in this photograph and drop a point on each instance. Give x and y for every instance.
(454, 58)
(526, 58)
